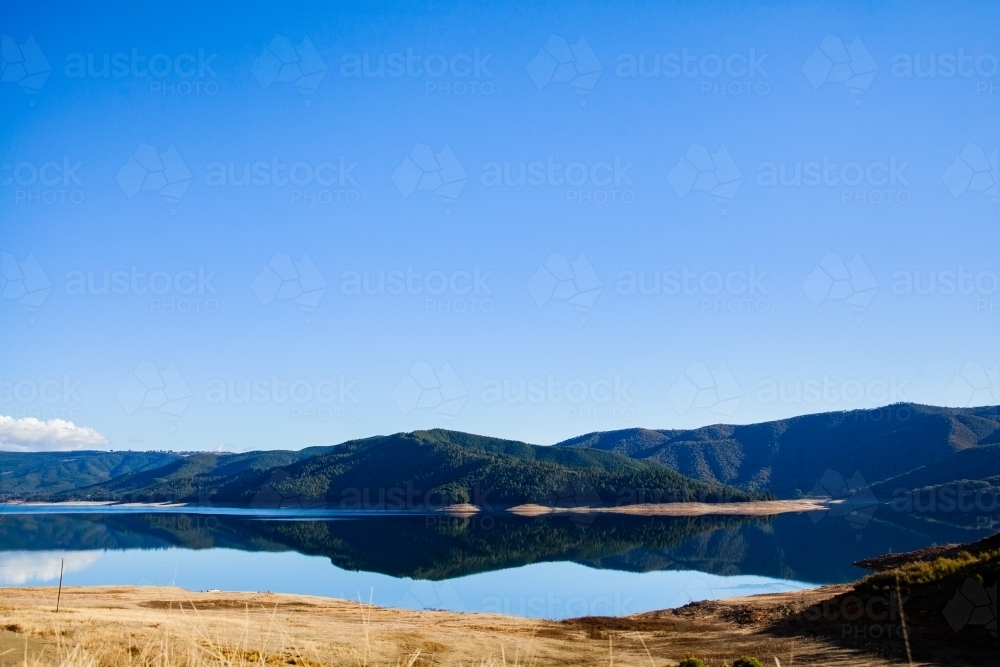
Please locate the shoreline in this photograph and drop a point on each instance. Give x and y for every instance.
(749, 508)
(829, 625)
(103, 621)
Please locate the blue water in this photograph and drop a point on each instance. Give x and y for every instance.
(542, 590)
(534, 567)
(204, 510)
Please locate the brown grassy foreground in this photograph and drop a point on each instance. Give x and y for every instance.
(171, 627)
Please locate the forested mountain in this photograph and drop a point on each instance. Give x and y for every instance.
(896, 446)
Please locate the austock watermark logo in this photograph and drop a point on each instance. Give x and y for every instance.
(325, 182)
(558, 279)
(24, 282)
(284, 279)
(853, 499)
(424, 170)
(558, 61)
(451, 521)
(877, 182)
(548, 605)
(24, 65)
(974, 604)
(432, 596)
(409, 498)
(973, 170)
(852, 282)
(425, 388)
(150, 388)
(286, 62)
(739, 291)
(702, 388)
(869, 617)
(184, 74)
(50, 182)
(829, 392)
(148, 170)
(186, 522)
(980, 285)
(835, 62)
(184, 291)
(700, 170)
(281, 493)
(980, 67)
(602, 182)
(459, 291)
(577, 494)
(978, 501)
(457, 74)
(327, 399)
(273, 495)
(602, 400)
(49, 398)
(730, 75)
(833, 279)
(975, 385)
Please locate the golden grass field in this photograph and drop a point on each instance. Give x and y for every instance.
(171, 627)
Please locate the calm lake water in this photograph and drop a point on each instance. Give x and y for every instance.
(552, 567)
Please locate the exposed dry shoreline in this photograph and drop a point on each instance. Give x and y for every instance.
(752, 508)
(128, 626)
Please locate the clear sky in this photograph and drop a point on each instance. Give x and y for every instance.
(258, 226)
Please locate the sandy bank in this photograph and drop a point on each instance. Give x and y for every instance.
(759, 508)
(461, 509)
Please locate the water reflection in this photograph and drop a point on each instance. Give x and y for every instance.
(18, 568)
(440, 548)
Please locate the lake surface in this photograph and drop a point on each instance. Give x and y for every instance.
(547, 567)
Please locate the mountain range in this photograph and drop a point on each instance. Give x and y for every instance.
(406, 471)
(902, 446)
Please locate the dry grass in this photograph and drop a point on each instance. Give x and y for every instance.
(922, 573)
(169, 627)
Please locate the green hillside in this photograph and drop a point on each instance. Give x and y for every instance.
(193, 478)
(420, 470)
(23, 475)
(899, 447)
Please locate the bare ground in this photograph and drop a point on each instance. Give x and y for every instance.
(171, 627)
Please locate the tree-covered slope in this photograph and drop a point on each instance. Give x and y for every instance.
(23, 475)
(420, 470)
(187, 478)
(903, 446)
(791, 455)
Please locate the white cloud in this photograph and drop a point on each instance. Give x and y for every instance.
(18, 568)
(32, 435)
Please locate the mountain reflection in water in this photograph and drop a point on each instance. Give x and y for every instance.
(813, 548)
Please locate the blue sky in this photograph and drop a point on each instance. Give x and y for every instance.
(508, 308)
